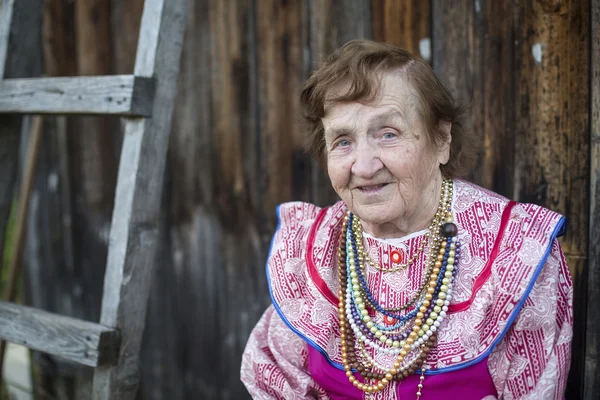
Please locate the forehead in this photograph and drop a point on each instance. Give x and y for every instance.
(395, 97)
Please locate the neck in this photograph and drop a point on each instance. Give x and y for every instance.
(413, 220)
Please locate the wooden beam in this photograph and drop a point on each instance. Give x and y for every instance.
(134, 228)
(591, 383)
(117, 94)
(81, 341)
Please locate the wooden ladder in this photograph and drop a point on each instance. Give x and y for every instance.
(145, 100)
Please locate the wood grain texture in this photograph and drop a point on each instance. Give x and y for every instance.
(15, 264)
(134, 227)
(552, 135)
(125, 18)
(161, 372)
(591, 386)
(404, 23)
(84, 342)
(118, 94)
(285, 166)
(472, 55)
(235, 236)
(214, 224)
(332, 24)
(58, 277)
(6, 16)
(20, 56)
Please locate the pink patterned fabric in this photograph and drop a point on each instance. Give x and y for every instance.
(519, 320)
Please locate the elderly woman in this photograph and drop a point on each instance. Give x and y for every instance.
(416, 284)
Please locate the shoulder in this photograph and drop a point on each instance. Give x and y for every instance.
(299, 221)
(296, 214)
(477, 203)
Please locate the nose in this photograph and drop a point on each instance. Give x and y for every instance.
(367, 162)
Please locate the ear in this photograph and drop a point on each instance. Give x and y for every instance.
(444, 147)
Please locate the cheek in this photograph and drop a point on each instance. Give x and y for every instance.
(338, 172)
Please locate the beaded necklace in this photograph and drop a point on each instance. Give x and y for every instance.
(434, 227)
(433, 230)
(415, 333)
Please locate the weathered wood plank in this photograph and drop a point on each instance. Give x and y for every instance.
(333, 23)
(164, 341)
(472, 55)
(233, 124)
(552, 135)
(138, 197)
(591, 386)
(285, 167)
(6, 16)
(117, 94)
(20, 55)
(125, 19)
(405, 23)
(24, 198)
(227, 226)
(84, 342)
(62, 257)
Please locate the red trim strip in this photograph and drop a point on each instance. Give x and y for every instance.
(487, 270)
(312, 269)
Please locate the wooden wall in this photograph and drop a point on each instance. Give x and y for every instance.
(236, 152)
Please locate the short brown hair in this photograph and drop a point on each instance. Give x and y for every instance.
(356, 65)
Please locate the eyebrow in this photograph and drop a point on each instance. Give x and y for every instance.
(386, 116)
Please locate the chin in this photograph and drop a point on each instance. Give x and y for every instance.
(377, 217)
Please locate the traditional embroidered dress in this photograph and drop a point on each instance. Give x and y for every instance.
(507, 332)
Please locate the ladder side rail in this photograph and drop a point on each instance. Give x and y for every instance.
(134, 228)
(6, 16)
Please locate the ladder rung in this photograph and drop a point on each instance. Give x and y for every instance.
(76, 340)
(110, 94)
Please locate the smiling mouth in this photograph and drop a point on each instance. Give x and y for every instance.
(371, 188)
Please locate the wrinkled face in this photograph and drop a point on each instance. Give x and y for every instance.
(379, 158)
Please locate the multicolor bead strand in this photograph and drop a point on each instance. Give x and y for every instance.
(411, 339)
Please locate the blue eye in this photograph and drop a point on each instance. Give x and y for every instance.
(389, 135)
(343, 143)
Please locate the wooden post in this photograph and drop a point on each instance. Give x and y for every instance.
(134, 228)
(591, 386)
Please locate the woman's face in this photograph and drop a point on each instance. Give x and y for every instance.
(380, 160)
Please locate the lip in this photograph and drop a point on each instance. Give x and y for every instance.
(371, 188)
